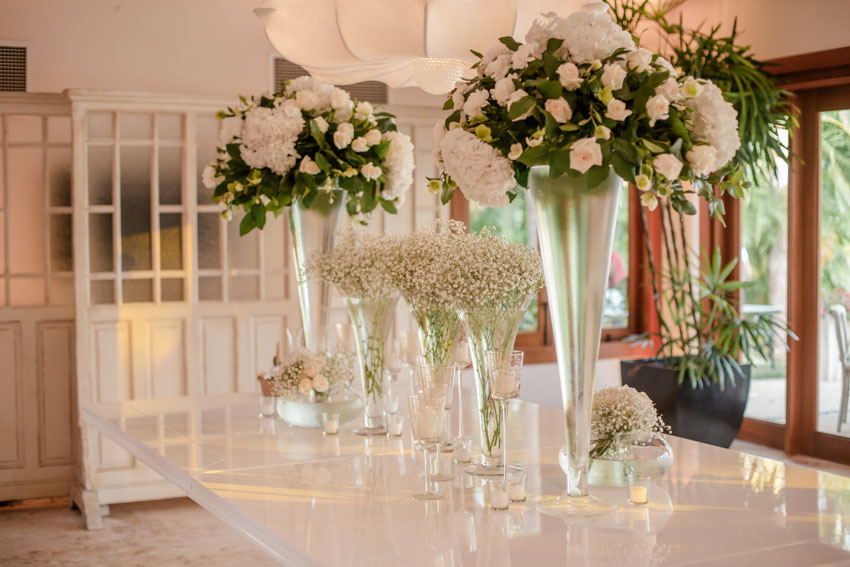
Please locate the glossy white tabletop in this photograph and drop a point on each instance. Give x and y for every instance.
(346, 500)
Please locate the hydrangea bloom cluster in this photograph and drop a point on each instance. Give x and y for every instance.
(309, 373)
(309, 137)
(358, 264)
(620, 414)
(581, 97)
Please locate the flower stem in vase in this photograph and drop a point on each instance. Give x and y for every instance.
(372, 319)
(437, 330)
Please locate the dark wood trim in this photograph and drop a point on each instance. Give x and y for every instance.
(813, 70)
(830, 447)
(803, 276)
(763, 433)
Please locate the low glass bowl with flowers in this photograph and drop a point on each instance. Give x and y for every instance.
(308, 383)
(626, 435)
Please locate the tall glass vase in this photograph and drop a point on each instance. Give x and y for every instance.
(372, 319)
(312, 230)
(437, 330)
(575, 226)
(491, 328)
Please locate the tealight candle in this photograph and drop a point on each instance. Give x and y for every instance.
(505, 382)
(498, 499)
(516, 485)
(395, 425)
(462, 452)
(637, 495)
(330, 423)
(517, 493)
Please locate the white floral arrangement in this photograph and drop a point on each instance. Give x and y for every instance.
(359, 264)
(308, 137)
(313, 375)
(581, 97)
(620, 415)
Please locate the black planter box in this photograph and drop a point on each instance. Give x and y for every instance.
(707, 414)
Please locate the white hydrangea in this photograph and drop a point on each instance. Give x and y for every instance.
(269, 136)
(503, 89)
(714, 122)
(587, 35)
(231, 127)
(475, 102)
(480, 171)
(398, 166)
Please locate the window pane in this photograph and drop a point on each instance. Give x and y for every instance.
(244, 288)
(171, 241)
(170, 126)
(244, 251)
(99, 124)
(516, 223)
(26, 291)
(100, 175)
(170, 176)
(61, 246)
(209, 288)
(209, 242)
(27, 230)
(100, 242)
(834, 271)
(59, 176)
(137, 291)
(764, 268)
(172, 289)
(135, 208)
(102, 291)
(135, 125)
(205, 154)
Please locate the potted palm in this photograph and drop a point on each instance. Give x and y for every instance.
(699, 378)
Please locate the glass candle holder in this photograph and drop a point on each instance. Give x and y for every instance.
(498, 489)
(395, 425)
(330, 423)
(463, 449)
(516, 485)
(267, 406)
(638, 490)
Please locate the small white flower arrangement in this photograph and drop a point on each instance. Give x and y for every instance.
(359, 264)
(581, 97)
(306, 138)
(622, 415)
(309, 374)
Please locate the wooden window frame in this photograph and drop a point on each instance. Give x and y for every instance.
(539, 345)
(819, 81)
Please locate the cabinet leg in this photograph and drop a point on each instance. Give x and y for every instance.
(86, 502)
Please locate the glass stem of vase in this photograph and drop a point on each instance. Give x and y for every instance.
(504, 404)
(428, 470)
(459, 403)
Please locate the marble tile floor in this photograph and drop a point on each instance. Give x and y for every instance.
(168, 532)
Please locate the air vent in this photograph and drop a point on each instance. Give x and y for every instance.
(373, 91)
(13, 68)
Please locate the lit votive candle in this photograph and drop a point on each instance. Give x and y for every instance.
(395, 425)
(462, 452)
(516, 485)
(637, 494)
(499, 500)
(330, 423)
(505, 383)
(517, 493)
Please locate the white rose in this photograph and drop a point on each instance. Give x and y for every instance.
(667, 165)
(306, 100)
(643, 182)
(603, 132)
(516, 151)
(343, 135)
(584, 154)
(613, 76)
(209, 177)
(649, 201)
(503, 89)
(373, 137)
(667, 66)
(349, 172)
(475, 102)
(321, 384)
(305, 386)
(363, 111)
(343, 114)
(339, 99)
(312, 366)
(517, 95)
(227, 214)
(360, 144)
(371, 171)
(692, 88)
(499, 67)
(533, 142)
(559, 109)
(568, 74)
(322, 124)
(639, 59)
(308, 165)
(701, 159)
(669, 89)
(657, 108)
(523, 55)
(617, 110)
(457, 95)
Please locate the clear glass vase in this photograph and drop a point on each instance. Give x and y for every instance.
(437, 330)
(312, 230)
(641, 455)
(372, 319)
(491, 328)
(575, 227)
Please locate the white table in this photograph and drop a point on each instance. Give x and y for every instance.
(312, 500)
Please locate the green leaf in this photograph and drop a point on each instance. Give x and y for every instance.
(596, 175)
(520, 107)
(550, 89)
(446, 194)
(534, 156)
(258, 211)
(653, 147)
(323, 164)
(247, 225)
(622, 167)
(550, 64)
(382, 149)
(317, 134)
(453, 117)
(509, 42)
(559, 162)
(554, 44)
(449, 104)
(388, 206)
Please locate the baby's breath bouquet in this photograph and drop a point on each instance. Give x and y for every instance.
(621, 416)
(581, 97)
(313, 375)
(359, 267)
(309, 137)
